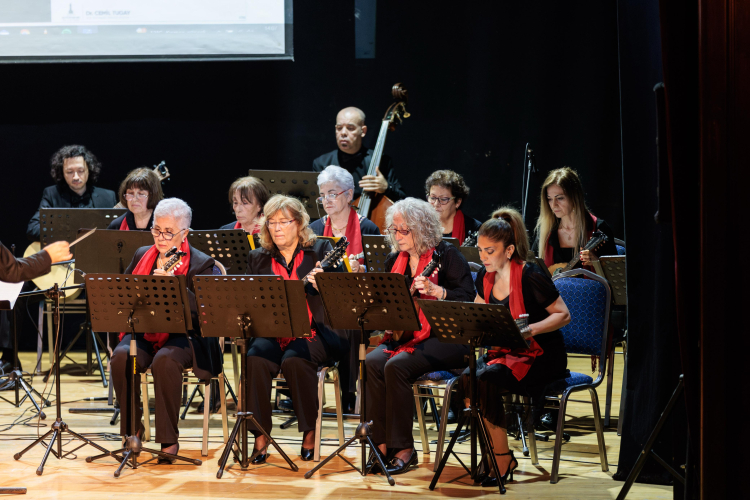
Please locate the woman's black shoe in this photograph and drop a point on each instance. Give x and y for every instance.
(507, 477)
(307, 454)
(373, 465)
(260, 458)
(398, 466)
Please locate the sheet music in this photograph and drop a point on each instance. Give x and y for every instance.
(10, 291)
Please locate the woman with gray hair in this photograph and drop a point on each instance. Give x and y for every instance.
(415, 234)
(168, 354)
(336, 188)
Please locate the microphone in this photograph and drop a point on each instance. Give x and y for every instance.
(530, 160)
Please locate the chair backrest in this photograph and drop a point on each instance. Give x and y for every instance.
(475, 267)
(620, 250)
(588, 301)
(219, 269)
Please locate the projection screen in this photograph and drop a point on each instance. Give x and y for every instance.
(142, 30)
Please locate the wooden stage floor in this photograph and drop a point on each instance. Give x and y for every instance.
(580, 472)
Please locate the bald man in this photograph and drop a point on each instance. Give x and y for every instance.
(354, 157)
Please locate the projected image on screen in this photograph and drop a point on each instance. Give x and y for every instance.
(63, 29)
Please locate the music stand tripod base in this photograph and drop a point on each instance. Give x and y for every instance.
(153, 304)
(382, 302)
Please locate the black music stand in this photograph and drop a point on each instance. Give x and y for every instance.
(58, 427)
(300, 185)
(471, 254)
(474, 325)
(615, 272)
(452, 241)
(257, 306)
(7, 303)
(382, 302)
(109, 251)
(376, 248)
(138, 304)
(228, 246)
(63, 223)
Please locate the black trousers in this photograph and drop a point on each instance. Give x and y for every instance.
(167, 365)
(390, 398)
(299, 364)
(349, 364)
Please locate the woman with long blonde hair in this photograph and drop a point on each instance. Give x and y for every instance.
(565, 223)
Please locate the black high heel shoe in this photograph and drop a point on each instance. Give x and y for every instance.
(507, 477)
(307, 454)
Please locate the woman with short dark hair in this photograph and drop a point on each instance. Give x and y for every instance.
(140, 192)
(247, 195)
(447, 192)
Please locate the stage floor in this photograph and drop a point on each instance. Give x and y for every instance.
(580, 471)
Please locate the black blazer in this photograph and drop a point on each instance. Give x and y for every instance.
(259, 263)
(15, 270)
(58, 196)
(115, 224)
(207, 358)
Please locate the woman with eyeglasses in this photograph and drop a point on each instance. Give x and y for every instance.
(247, 195)
(336, 188)
(167, 354)
(447, 192)
(290, 250)
(140, 192)
(415, 234)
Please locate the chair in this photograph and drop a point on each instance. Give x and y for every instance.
(587, 333)
(322, 372)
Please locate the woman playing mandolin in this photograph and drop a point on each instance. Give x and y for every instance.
(565, 224)
(167, 354)
(290, 250)
(415, 235)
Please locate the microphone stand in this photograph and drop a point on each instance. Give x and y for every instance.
(529, 167)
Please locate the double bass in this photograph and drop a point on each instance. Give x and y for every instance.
(371, 204)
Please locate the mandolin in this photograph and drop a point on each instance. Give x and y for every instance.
(370, 204)
(597, 240)
(430, 269)
(175, 259)
(332, 258)
(471, 239)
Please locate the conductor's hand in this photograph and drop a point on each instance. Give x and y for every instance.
(376, 182)
(316, 270)
(162, 272)
(58, 251)
(427, 287)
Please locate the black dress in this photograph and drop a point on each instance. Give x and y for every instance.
(60, 196)
(357, 165)
(538, 293)
(389, 379)
(560, 255)
(300, 360)
(115, 224)
(179, 352)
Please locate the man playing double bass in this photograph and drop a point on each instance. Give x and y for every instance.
(354, 157)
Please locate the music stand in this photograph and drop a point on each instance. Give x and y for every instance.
(58, 427)
(63, 223)
(615, 272)
(471, 254)
(300, 185)
(257, 306)
(474, 325)
(452, 241)
(109, 251)
(382, 302)
(228, 246)
(376, 248)
(138, 304)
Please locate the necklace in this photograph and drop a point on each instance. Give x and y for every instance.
(339, 230)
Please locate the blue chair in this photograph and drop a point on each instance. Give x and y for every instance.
(588, 301)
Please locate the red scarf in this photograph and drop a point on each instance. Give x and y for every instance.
(548, 250)
(144, 267)
(353, 234)
(520, 360)
(279, 270)
(124, 225)
(238, 225)
(459, 227)
(399, 267)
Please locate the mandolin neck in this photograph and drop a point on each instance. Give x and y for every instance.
(377, 155)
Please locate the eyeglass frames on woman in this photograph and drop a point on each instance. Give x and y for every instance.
(281, 223)
(140, 196)
(402, 232)
(329, 197)
(443, 201)
(165, 235)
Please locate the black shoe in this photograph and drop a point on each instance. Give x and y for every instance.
(373, 465)
(165, 460)
(452, 419)
(398, 466)
(286, 405)
(507, 477)
(307, 454)
(260, 458)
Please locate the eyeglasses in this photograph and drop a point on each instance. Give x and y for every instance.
(140, 196)
(281, 223)
(402, 232)
(329, 197)
(167, 236)
(442, 201)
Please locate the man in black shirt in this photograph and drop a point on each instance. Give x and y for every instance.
(351, 155)
(75, 170)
